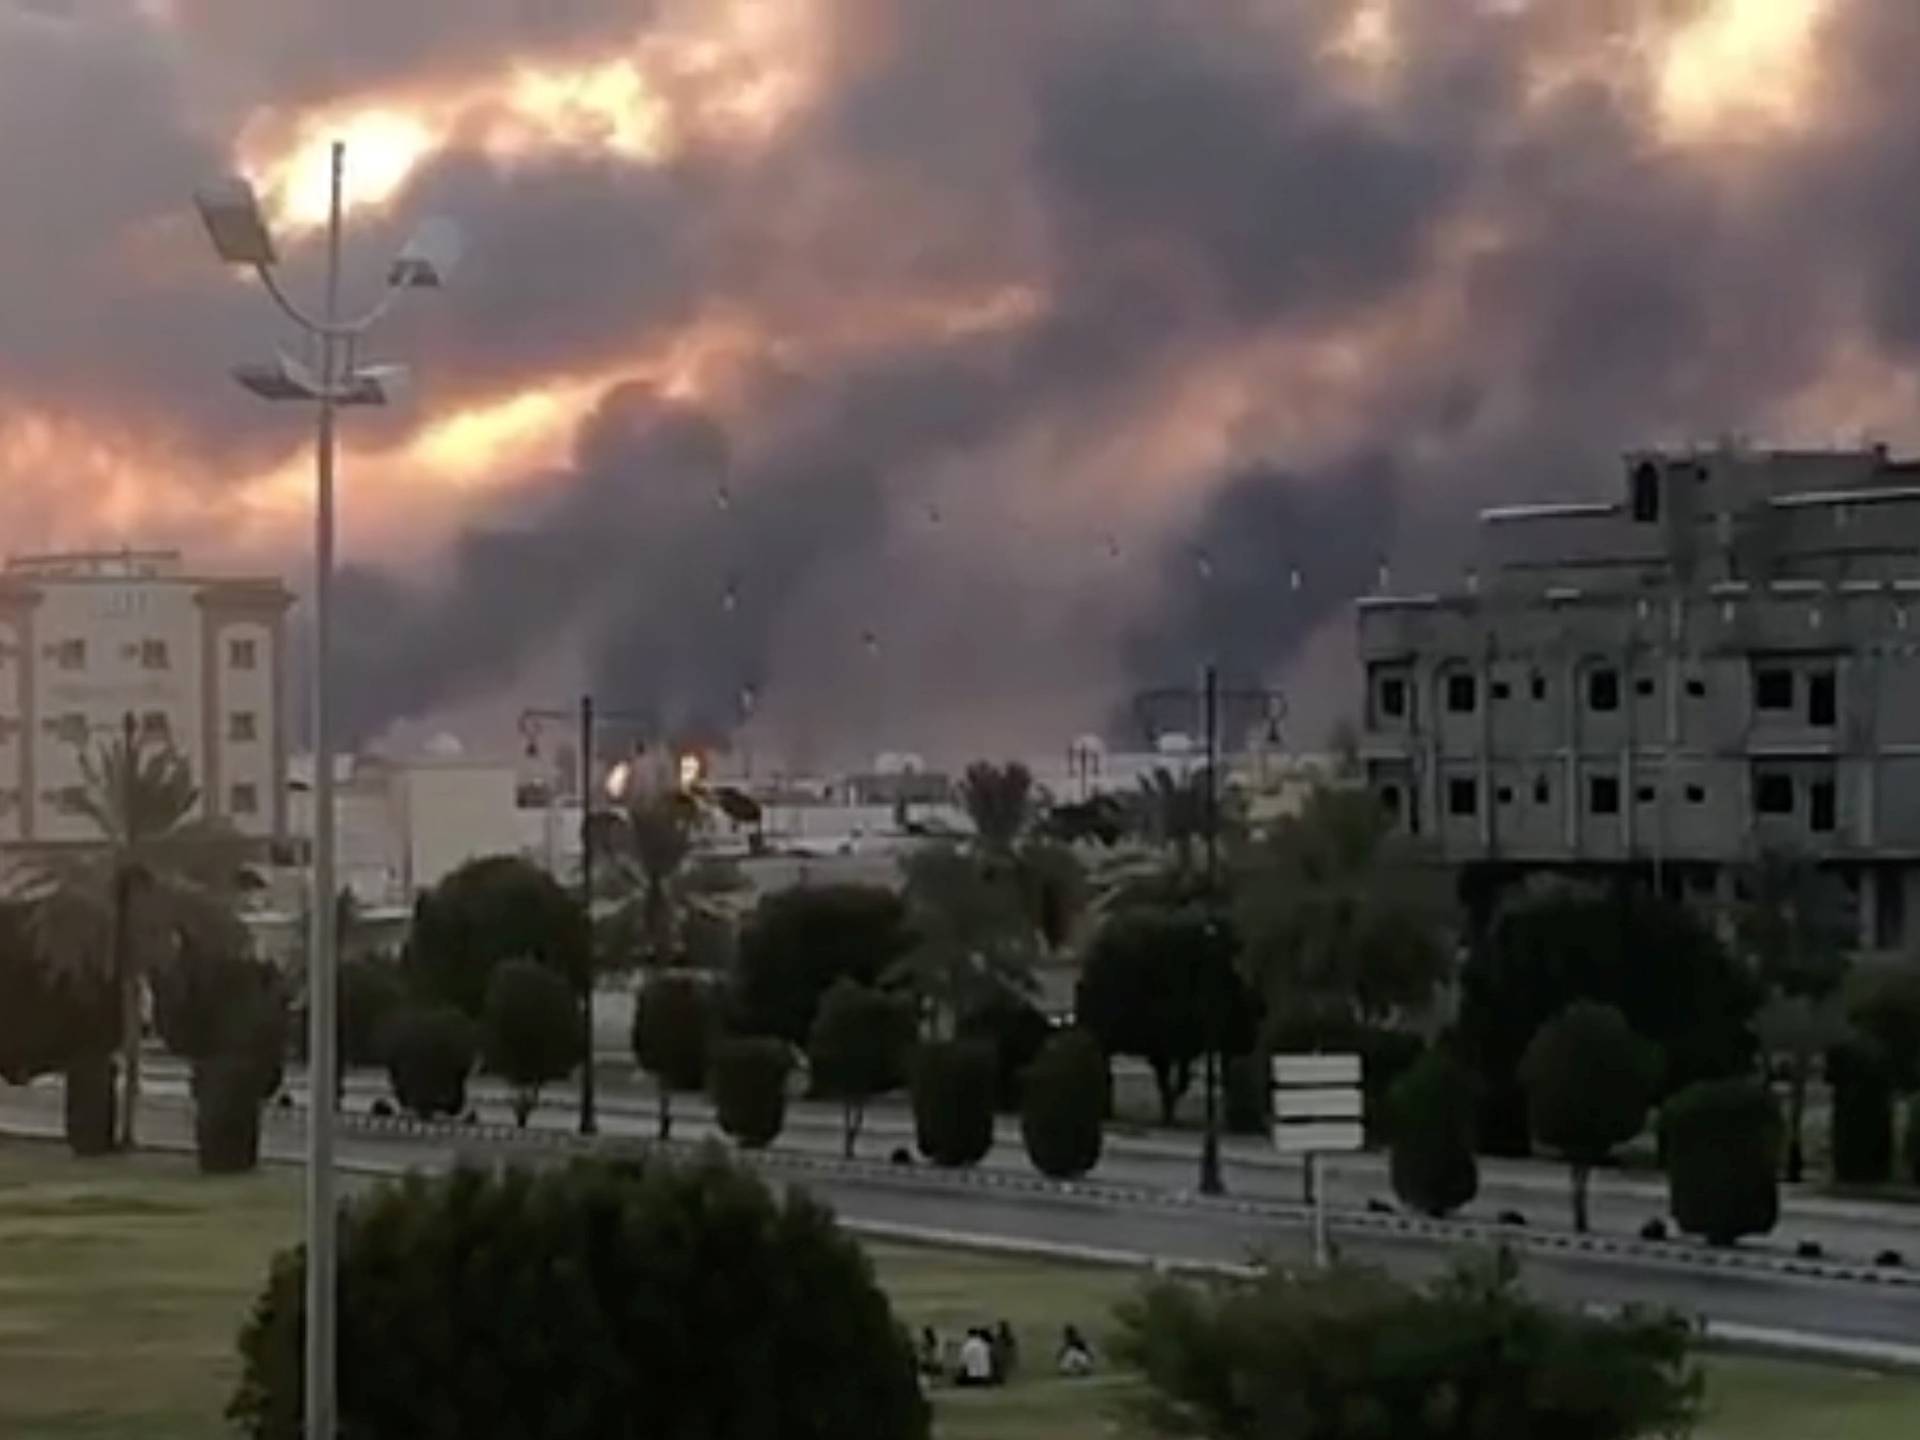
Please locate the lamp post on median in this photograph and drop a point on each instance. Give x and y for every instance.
(238, 229)
(589, 719)
(1211, 697)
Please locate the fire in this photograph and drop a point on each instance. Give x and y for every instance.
(383, 148)
(1738, 63)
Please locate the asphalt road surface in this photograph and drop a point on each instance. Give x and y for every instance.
(1171, 1232)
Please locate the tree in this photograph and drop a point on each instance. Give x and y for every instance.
(1353, 1355)
(799, 941)
(1862, 1114)
(227, 1016)
(1171, 812)
(158, 877)
(1657, 962)
(1056, 890)
(748, 1082)
(491, 910)
(1015, 1029)
(1102, 819)
(603, 1298)
(646, 843)
(430, 1054)
(1911, 1142)
(1885, 1008)
(1432, 1162)
(998, 800)
(1064, 1105)
(1338, 912)
(530, 1031)
(371, 994)
(1589, 1082)
(52, 1021)
(975, 936)
(857, 1050)
(1154, 981)
(1796, 1030)
(673, 1025)
(1795, 925)
(953, 1101)
(1721, 1139)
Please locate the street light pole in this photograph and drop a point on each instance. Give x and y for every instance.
(322, 973)
(588, 1123)
(240, 234)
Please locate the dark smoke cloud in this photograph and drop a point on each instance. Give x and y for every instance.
(1178, 187)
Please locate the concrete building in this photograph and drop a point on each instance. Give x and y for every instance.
(89, 638)
(1721, 658)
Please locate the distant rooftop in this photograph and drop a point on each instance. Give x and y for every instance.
(123, 564)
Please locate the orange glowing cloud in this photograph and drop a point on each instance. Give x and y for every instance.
(726, 71)
(1739, 65)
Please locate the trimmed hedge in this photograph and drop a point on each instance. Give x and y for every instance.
(1722, 1142)
(1064, 1105)
(748, 1084)
(430, 1053)
(1431, 1119)
(1862, 1115)
(953, 1085)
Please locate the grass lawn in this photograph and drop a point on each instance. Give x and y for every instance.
(122, 1284)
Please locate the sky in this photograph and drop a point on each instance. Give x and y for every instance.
(843, 375)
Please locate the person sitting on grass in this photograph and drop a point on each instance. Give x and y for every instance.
(928, 1354)
(976, 1359)
(1076, 1357)
(1006, 1352)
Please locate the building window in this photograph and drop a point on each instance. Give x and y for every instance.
(1603, 690)
(71, 654)
(1390, 800)
(1696, 794)
(241, 727)
(1821, 807)
(1538, 685)
(1890, 911)
(1646, 494)
(1500, 690)
(243, 799)
(241, 654)
(1393, 697)
(153, 655)
(1504, 794)
(1460, 694)
(1823, 701)
(1542, 791)
(1603, 794)
(1696, 688)
(1463, 797)
(154, 726)
(1773, 794)
(68, 729)
(1644, 795)
(1773, 688)
(1643, 687)
(71, 800)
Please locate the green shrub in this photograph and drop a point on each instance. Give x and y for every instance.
(430, 1054)
(1589, 1081)
(88, 1103)
(1862, 1127)
(602, 1299)
(1885, 1009)
(1016, 1029)
(1353, 1355)
(856, 1050)
(1247, 1093)
(1722, 1144)
(953, 1101)
(371, 994)
(748, 1083)
(226, 1114)
(673, 1028)
(1064, 1105)
(1432, 1162)
(227, 1016)
(530, 1031)
(1912, 1139)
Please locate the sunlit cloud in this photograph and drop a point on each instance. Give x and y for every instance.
(725, 73)
(1739, 64)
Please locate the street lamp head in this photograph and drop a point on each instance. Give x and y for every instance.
(277, 379)
(235, 223)
(376, 385)
(428, 259)
(618, 779)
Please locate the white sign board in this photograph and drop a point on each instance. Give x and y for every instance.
(1292, 1070)
(1317, 1104)
(1319, 1137)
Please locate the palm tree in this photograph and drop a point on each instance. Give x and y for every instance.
(999, 800)
(1172, 811)
(648, 840)
(159, 878)
(975, 935)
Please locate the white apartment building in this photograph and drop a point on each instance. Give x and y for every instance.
(89, 638)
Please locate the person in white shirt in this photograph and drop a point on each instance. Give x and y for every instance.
(976, 1360)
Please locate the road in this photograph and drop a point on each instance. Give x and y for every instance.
(1173, 1231)
(1167, 1163)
